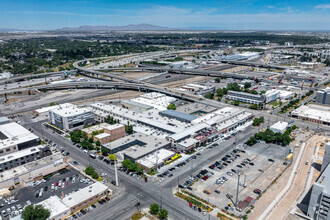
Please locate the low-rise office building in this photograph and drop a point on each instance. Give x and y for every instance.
(85, 196)
(103, 138)
(14, 137)
(187, 145)
(279, 127)
(115, 131)
(323, 96)
(71, 117)
(95, 129)
(246, 97)
(58, 210)
(136, 146)
(158, 158)
(19, 158)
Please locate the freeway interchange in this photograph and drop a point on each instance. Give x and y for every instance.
(131, 190)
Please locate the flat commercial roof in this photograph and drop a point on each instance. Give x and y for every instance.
(84, 194)
(19, 154)
(69, 111)
(179, 115)
(55, 205)
(114, 126)
(150, 160)
(102, 135)
(95, 128)
(47, 109)
(188, 132)
(13, 133)
(317, 112)
(139, 143)
(280, 125)
(137, 104)
(4, 120)
(188, 142)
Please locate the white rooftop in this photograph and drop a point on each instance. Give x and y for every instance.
(150, 160)
(69, 111)
(280, 125)
(102, 135)
(55, 205)
(188, 142)
(19, 154)
(49, 108)
(114, 126)
(16, 134)
(84, 194)
(312, 111)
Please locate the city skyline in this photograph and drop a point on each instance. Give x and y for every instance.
(212, 15)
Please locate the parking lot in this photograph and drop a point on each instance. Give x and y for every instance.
(60, 185)
(260, 165)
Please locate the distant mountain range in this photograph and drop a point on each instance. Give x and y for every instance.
(8, 29)
(130, 27)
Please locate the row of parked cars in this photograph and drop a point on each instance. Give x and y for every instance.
(200, 175)
(229, 158)
(88, 209)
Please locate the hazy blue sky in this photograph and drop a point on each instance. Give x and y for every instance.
(207, 14)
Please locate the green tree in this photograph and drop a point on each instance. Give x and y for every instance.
(35, 212)
(171, 106)
(236, 103)
(163, 214)
(105, 151)
(89, 170)
(254, 106)
(247, 85)
(129, 128)
(154, 209)
(209, 95)
(217, 80)
(95, 175)
(98, 143)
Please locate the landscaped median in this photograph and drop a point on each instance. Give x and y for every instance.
(189, 197)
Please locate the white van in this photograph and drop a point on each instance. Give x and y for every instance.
(85, 151)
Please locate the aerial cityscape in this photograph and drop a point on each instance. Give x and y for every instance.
(165, 110)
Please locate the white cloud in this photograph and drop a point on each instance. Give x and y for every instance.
(270, 6)
(323, 6)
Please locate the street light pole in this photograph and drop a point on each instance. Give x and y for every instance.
(239, 173)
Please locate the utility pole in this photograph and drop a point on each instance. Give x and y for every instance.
(116, 175)
(161, 199)
(192, 167)
(239, 173)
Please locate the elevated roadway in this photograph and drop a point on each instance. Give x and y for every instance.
(120, 85)
(13, 79)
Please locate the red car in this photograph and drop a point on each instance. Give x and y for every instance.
(56, 184)
(257, 191)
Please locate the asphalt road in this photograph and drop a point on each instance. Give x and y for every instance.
(178, 209)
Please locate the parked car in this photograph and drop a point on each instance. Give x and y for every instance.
(257, 191)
